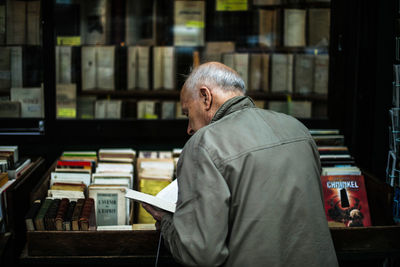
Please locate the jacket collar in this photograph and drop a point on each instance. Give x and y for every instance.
(234, 104)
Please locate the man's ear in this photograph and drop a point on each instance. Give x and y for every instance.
(206, 97)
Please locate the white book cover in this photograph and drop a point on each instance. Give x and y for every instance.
(114, 167)
(70, 177)
(88, 68)
(168, 60)
(114, 175)
(166, 199)
(143, 67)
(295, 27)
(105, 67)
(132, 67)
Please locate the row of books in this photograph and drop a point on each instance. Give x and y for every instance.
(105, 177)
(12, 167)
(155, 68)
(61, 215)
(20, 67)
(187, 25)
(294, 25)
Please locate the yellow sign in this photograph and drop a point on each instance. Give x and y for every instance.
(231, 5)
(66, 113)
(69, 40)
(150, 116)
(195, 24)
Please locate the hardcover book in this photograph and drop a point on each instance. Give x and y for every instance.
(282, 73)
(87, 221)
(50, 217)
(39, 219)
(189, 20)
(303, 73)
(295, 27)
(67, 224)
(61, 214)
(346, 202)
(77, 214)
(318, 26)
(269, 27)
(321, 74)
(30, 216)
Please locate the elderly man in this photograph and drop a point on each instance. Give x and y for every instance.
(249, 182)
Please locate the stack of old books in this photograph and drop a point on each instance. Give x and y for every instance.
(155, 170)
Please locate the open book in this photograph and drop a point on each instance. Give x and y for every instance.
(165, 199)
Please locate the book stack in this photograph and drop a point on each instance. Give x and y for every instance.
(114, 175)
(345, 196)
(72, 175)
(61, 215)
(332, 149)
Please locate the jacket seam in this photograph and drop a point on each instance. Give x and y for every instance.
(268, 146)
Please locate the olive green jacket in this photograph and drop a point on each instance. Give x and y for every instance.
(249, 194)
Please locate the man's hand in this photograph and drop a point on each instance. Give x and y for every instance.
(156, 213)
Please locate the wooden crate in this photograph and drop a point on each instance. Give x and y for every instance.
(374, 241)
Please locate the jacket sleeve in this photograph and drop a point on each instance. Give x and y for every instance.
(196, 233)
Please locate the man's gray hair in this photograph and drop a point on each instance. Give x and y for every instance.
(215, 74)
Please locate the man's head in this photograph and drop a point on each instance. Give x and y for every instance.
(205, 90)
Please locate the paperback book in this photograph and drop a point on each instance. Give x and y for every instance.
(345, 199)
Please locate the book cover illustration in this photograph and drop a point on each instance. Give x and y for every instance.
(345, 200)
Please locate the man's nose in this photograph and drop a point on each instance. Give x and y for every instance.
(190, 131)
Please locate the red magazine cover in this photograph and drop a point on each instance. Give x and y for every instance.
(346, 202)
